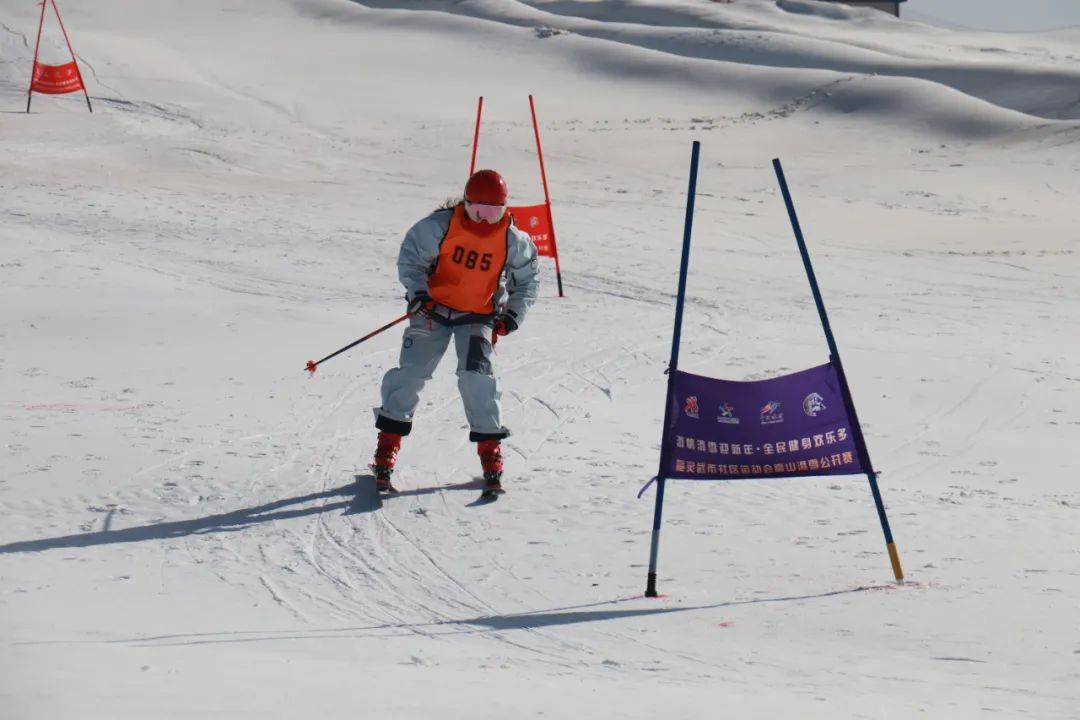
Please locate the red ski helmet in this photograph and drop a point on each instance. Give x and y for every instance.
(486, 187)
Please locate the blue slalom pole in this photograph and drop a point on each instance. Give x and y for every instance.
(860, 441)
(654, 549)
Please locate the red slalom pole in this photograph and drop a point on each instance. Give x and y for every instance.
(547, 197)
(37, 47)
(476, 135)
(72, 51)
(312, 365)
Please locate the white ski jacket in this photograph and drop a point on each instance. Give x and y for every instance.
(519, 283)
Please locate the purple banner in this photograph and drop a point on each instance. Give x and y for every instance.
(789, 426)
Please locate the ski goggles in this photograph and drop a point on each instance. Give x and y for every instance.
(487, 213)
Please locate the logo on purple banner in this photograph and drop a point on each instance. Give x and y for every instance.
(771, 413)
(818, 441)
(813, 404)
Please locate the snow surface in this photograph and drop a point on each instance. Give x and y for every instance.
(181, 536)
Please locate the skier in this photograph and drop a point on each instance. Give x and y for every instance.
(470, 274)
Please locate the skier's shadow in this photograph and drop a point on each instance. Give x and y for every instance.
(354, 498)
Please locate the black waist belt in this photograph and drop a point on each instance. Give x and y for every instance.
(463, 319)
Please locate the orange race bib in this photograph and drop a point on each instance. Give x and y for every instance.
(471, 260)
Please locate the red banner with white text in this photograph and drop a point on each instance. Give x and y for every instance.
(56, 79)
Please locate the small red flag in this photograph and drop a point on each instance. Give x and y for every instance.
(534, 219)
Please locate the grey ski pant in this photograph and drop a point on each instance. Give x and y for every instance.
(422, 348)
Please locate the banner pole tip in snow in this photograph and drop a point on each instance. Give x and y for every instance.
(895, 558)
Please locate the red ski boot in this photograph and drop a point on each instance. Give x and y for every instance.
(385, 459)
(490, 452)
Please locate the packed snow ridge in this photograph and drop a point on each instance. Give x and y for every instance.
(1037, 78)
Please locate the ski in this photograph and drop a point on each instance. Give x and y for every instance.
(492, 486)
(383, 486)
(491, 494)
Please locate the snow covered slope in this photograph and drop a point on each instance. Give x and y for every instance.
(181, 533)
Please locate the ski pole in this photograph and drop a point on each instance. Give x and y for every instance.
(312, 365)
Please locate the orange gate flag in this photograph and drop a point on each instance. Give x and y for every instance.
(55, 79)
(534, 219)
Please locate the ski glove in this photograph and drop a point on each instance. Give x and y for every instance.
(421, 304)
(505, 323)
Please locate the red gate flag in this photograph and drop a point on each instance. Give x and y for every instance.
(533, 219)
(55, 79)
